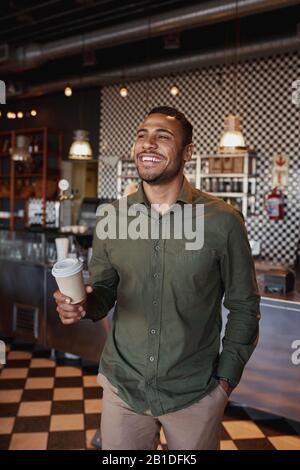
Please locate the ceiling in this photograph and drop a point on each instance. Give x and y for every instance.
(24, 22)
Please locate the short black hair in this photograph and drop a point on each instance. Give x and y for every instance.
(185, 124)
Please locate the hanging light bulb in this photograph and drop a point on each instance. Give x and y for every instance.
(20, 114)
(68, 91)
(232, 140)
(81, 147)
(21, 151)
(11, 115)
(123, 91)
(33, 113)
(174, 90)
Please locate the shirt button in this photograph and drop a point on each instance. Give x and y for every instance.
(155, 302)
(155, 275)
(153, 332)
(157, 247)
(151, 358)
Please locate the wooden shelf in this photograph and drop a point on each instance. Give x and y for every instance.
(224, 194)
(21, 198)
(29, 175)
(227, 155)
(49, 142)
(226, 175)
(16, 198)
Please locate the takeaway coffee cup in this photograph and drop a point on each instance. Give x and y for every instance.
(62, 248)
(69, 278)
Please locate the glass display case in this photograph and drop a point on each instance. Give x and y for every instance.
(39, 247)
(28, 309)
(24, 246)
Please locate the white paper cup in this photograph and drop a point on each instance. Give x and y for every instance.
(62, 248)
(69, 278)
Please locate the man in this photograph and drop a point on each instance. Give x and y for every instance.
(161, 365)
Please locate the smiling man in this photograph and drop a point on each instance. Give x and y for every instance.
(162, 366)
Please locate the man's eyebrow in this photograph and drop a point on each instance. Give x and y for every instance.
(158, 130)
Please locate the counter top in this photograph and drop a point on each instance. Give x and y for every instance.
(292, 296)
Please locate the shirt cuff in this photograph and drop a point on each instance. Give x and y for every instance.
(93, 309)
(229, 369)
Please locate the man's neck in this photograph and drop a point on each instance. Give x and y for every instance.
(163, 193)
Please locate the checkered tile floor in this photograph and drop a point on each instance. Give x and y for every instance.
(56, 404)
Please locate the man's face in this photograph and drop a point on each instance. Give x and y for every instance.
(158, 151)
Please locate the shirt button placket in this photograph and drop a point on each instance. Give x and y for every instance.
(153, 330)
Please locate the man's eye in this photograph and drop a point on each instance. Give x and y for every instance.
(140, 136)
(164, 137)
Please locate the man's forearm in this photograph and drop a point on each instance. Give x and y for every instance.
(239, 342)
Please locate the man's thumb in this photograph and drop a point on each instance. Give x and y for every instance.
(89, 289)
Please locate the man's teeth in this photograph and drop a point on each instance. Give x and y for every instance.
(150, 159)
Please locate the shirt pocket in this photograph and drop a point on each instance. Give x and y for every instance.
(189, 265)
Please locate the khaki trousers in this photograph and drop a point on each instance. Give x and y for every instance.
(196, 427)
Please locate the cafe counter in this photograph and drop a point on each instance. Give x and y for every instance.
(270, 377)
(28, 309)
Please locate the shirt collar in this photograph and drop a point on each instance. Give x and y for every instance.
(185, 194)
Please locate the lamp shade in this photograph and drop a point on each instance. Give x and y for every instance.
(232, 140)
(20, 153)
(81, 147)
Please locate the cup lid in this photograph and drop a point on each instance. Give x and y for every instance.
(66, 267)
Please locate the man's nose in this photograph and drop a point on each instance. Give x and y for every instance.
(150, 142)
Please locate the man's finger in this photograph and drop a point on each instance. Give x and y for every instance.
(68, 308)
(69, 321)
(71, 315)
(60, 297)
(68, 315)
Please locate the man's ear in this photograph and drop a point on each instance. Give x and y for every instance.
(188, 152)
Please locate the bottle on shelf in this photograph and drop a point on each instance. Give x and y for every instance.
(36, 146)
(207, 184)
(251, 187)
(221, 185)
(214, 185)
(31, 143)
(235, 185)
(227, 186)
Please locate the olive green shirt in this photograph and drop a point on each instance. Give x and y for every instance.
(163, 350)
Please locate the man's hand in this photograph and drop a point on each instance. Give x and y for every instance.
(225, 385)
(70, 313)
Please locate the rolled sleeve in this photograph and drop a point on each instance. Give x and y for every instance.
(104, 280)
(241, 299)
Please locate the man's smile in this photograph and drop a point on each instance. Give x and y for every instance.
(150, 159)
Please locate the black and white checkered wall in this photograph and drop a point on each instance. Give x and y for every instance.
(271, 124)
